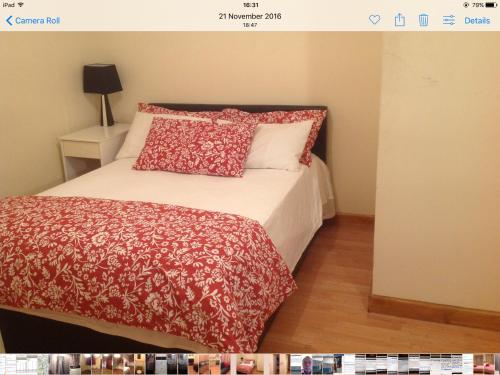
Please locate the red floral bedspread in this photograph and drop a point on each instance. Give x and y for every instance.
(211, 277)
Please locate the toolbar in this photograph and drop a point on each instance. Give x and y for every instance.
(267, 15)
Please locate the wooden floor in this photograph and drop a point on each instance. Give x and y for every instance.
(329, 311)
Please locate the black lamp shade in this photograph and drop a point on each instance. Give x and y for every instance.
(101, 79)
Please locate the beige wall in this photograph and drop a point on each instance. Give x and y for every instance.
(340, 70)
(437, 236)
(41, 98)
(44, 98)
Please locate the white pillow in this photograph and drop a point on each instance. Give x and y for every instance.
(139, 130)
(278, 146)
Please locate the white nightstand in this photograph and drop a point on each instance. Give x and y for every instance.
(90, 148)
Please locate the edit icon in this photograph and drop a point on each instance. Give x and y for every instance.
(449, 20)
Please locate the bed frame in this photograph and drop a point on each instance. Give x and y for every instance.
(319, 148)
(23, 333)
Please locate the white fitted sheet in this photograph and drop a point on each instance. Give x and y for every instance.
(289, 205)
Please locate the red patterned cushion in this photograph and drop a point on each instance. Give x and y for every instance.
(285, 117)
(196, 147)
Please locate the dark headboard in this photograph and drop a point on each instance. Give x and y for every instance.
(319, 148)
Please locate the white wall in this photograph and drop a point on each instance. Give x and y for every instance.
(41, 95)
(437, 236)
(41, 98)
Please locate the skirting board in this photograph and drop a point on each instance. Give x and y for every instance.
(434, 312)
(343, 217)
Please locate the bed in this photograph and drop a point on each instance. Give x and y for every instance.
(289, 205)
(246, 366)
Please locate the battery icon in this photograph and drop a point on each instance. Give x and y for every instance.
(491, 4)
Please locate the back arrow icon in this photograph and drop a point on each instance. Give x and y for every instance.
(8, 20)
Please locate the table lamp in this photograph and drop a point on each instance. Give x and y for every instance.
(102, 79)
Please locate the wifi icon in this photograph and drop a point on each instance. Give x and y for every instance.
(20, 4)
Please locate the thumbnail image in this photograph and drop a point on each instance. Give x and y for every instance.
(435, 363)
(161, 364)
(192, 362)
(139, 364)
(225, 363)
(456, 364)
(203, 365)
(381, 363)
(392, 364)
(301, 364)
(425, 364)
(317, 364)
(43, 364)
(446, 365)
(307, 365)
(338, 363)
(10, 364)
(360, 366)
(479, 362)
(182, 364)
(64, 364)
(467, 363)
(328, 364)
(150, 364)
(214, 364)
(271, 364)
(128, 364)
(118, 364)
(96, 364)
(275, 366)
(485, 364)
(86, 364)
(284, 364)
(414, 363)
(107, 364)
(171, 364)
(295, 364)
(250, 364)
(371, 364)
(27, 364)
(348, 362)
(403, 363)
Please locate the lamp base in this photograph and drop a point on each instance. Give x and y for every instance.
(106, 114)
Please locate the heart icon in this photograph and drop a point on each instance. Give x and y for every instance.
(374, 18)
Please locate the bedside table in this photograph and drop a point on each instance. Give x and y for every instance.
(90, 148)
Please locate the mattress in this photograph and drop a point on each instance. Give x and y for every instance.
(289, 205)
